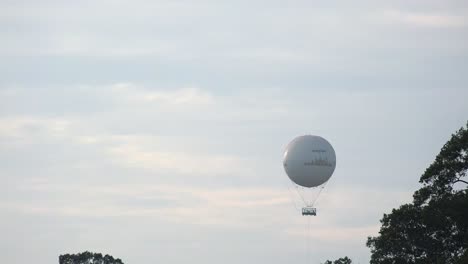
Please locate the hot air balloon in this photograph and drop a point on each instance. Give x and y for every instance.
(309, 161)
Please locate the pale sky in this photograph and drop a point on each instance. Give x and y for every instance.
(154, 130)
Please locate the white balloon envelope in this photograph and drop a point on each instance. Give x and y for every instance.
(309, 161)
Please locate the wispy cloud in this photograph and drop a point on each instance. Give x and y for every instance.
(182, 97)
(149, 152)
(431, 20)
(246, 207)
(191, 205)
(22, 127)
(134, 155)
(336, 235)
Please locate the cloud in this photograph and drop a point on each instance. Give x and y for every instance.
(134, 155)
(180, 97)
(139, 100)
(24, 127)
(337, 234)
(235, 207)
(229, 207)
(431, 20)
(148, 152)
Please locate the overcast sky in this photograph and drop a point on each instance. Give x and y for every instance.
(154, 130)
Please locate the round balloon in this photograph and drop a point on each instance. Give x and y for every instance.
(309, 161)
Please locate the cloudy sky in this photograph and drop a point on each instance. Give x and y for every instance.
(154, 130)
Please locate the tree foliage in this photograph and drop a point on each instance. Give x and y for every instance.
(434, 228)
(344, 260)
(88, 258)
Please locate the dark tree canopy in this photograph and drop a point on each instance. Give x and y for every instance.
(344, 260)
(88, 258)
(434, 228)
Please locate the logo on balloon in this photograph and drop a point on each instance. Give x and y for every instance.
(319, 162)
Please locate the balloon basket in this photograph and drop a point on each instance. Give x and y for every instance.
(309, 211)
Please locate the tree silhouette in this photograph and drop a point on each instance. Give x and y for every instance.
(434, 228)
(344, 260)
(88, 258)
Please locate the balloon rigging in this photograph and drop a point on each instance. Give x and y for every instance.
(309, 161)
